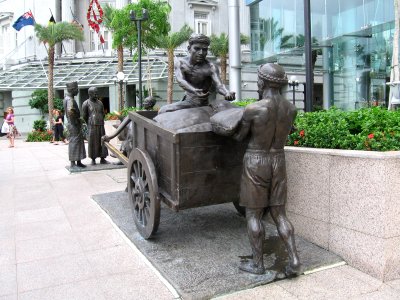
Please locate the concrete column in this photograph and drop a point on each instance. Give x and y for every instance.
(327, 77)
(235, 67)
(66, 16)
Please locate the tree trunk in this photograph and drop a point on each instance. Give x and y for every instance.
(50, 90)
(223, 59)
(394, 73)
(170, 86)
(120, 54)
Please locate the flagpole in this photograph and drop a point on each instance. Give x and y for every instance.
(76, 19)
(34, 41)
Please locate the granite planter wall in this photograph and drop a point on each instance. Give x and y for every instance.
(349, 203)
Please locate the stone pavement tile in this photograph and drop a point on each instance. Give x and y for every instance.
(385, 292)
(7, 202)
(35, 200)
(9, 297)
(7, 252)
(394, 284)
(7, 231)
(329, 284)
(269, 291)
(7, 218)
(91, 221)
(47, 247)
(52, 272)
(72, 183)
(39, 215)
(141, 285)
(115, 260)
(99, 239)
(82, 290)
(8, 280)
(361, 276)
(82, 206)
(36, 230)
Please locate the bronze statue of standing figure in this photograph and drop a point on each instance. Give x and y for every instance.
(76, 146)
(93, 114)
(197, 75)
(264, 184)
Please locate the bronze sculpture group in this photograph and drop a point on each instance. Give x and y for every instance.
(76, 146)
(266, 123)
(93, 115)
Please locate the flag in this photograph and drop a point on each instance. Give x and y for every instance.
(24, 20)
(52, 20)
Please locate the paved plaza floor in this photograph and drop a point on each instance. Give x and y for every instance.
(57, 243)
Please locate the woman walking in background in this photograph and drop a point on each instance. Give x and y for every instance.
(12, 132)
(58, 127)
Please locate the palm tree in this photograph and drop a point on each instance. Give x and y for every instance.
(219, 46)
(170, 42)
(125, 32)
(51, 35)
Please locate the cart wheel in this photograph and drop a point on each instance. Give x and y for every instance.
(143, 192)
(240, 209)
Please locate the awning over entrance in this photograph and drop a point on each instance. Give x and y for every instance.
(88, 72)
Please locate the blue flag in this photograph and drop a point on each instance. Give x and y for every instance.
(24, 20)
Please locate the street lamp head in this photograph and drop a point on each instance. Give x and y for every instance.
(145, 14)
(120, 76)
(134, 17)
(293, 81)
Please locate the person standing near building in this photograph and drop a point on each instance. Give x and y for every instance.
(58, 127)
(76, 147)
(264, 183)
(12, 129)
(93, 114)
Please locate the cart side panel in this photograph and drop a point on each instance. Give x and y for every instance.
(210, 169)
(160, 143)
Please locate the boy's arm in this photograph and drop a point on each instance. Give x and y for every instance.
(221, 89)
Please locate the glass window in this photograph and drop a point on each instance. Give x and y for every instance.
(202, 23)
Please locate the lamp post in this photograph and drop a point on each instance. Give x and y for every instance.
(139, 20)
(120, 79)
(294, 83)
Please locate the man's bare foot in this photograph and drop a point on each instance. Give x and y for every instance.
(249, 266)
(293, 270)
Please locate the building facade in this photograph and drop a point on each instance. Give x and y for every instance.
(352, 44)
(91, 63)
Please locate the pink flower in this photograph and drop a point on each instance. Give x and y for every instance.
(301, 133)
(295, 142)
(371, 136)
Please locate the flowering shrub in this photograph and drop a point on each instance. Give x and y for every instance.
(40, 136)
(119, 115)
(373, 128)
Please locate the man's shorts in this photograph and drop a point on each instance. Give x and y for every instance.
(263, 179)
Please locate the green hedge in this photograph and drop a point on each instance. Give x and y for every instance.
(373, 128)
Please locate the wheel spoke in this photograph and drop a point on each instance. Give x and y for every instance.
(136, 169)
(144, 217)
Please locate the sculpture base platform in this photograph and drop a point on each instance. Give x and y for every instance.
(199, 250)
(96, 167)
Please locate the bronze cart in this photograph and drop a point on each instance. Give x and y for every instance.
(184, 170)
